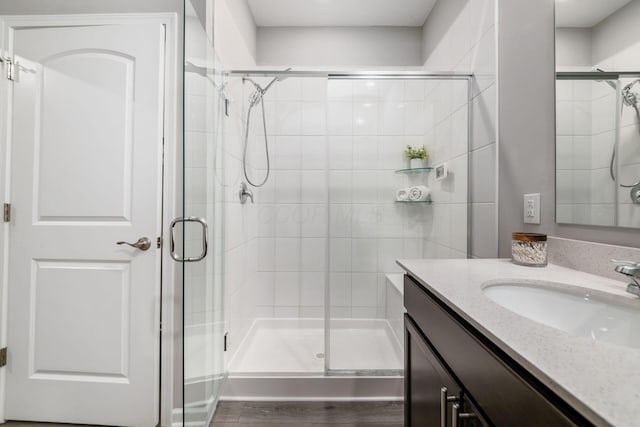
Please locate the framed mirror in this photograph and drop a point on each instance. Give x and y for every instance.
(598, 112)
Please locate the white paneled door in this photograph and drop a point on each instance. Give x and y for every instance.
(86, 139)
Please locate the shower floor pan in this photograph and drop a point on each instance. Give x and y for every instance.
(283, 359)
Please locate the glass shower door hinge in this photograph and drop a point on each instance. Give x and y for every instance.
(6, 212)
(3, 357)
(226, 341)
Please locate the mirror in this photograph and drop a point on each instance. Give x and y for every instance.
(598, 112)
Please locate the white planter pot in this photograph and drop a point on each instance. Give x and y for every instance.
(416, 163)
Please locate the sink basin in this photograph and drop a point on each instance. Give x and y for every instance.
(579, 311)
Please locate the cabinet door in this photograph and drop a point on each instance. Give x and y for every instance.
(424, 379)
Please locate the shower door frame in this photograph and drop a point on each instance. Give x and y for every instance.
(373, 75)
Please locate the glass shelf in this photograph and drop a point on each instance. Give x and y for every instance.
(414, 170)
(409, 202)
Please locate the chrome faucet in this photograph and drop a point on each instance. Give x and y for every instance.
(245, 193)
(631, 269)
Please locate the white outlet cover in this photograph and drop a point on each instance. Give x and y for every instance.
(532, 208)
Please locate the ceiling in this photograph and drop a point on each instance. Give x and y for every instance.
(340, 13)
(585, 13)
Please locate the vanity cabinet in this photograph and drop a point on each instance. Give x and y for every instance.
(448, 363)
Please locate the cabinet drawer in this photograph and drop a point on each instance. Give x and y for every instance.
(502, 394)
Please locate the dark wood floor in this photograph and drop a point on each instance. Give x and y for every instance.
(292, 414)
(309, 414)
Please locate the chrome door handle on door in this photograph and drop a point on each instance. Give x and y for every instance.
(143, 244)
(205, 241)
(444, 402)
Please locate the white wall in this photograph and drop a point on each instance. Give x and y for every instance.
(339, 46)
(28, 7)
(240, 12)
(573, 48)
(460, 35)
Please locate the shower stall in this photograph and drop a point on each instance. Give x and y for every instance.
(329, 153)
(296, 175)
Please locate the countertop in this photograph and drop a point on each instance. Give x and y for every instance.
(601, 380)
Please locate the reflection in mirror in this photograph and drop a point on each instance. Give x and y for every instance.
(597, 112)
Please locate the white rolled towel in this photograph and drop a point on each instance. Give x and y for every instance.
(419, 193)
(402, 194)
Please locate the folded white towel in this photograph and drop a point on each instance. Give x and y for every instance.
(402, 194)
(419, 193)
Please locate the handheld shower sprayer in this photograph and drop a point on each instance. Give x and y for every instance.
(257, 97)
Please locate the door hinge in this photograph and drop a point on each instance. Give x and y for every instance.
(6, 212)
(159, 242)
(226, 340)
(3, 357)
(10, 68)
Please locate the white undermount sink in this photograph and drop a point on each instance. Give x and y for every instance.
(579, 311)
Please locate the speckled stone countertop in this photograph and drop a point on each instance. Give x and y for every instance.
(600, 380)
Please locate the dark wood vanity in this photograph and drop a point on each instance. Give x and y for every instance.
(455, 376)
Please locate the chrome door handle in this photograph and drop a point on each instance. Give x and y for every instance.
(143, 244)
(205, 243)
(444, 402)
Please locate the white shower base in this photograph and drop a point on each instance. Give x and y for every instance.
(297, 346)
(279, 359)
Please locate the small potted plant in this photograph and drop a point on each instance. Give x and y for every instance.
(417, 156)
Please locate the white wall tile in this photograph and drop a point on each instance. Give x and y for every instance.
(287, 220)
(287, 254)
(340, 186)
(314, 89)
(287, 186)
(314, 118)
(364, 289)
(339, 118)
(365, 152)
(340, 152)
(483, 174)
(288, 152)
(289, 118)
(340, 220)
(314, 152)
(365, 118)
(339, 255)
(314, 187)
(364, 255)
(313, 220)
(389, 250)
(340, 90)
(312, 289)
(313, 254)
(340, 289)
(288, 90)
(365, 186)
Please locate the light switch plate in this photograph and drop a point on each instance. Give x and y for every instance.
(532, 208)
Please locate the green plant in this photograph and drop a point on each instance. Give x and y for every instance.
(416, 152)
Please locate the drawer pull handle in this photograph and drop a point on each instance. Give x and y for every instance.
(457, 416)
(444, 401)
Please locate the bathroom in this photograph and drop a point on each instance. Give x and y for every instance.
(292, 199)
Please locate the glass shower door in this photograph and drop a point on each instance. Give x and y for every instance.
(201, 225)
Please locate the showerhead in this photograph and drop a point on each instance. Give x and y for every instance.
(277, 78)
(630, 98)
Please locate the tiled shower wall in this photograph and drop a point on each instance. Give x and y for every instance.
(460, 35)
(291, 207)
(370, 122)
(334, 148)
